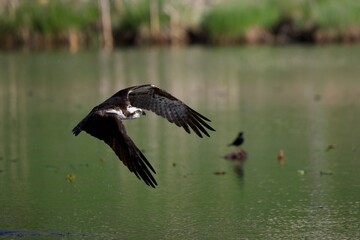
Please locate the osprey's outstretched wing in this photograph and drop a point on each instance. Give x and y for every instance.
(164, 104)
(109, 128)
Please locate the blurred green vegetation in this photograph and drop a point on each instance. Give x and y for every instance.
(165, 19)
(233, 19)
(132, 17)
(323, 13)
(337, 14)
(56, 16)
(54, 23)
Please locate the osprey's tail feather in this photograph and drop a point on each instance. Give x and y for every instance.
(79, 127)
(76, 130)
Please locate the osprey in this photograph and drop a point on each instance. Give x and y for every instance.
(105, 123)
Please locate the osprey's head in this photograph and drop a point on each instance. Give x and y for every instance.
(134, 112)
(129, 113)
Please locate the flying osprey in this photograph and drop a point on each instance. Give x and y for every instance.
(105, 123)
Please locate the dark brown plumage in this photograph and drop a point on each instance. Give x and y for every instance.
(105, 123)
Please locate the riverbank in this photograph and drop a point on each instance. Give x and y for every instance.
(78, 24)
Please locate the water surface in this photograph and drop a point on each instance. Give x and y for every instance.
(296, 99)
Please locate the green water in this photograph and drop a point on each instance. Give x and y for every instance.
(296, 99)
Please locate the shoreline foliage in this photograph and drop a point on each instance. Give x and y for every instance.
(37, 24)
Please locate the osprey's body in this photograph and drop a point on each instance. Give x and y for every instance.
(105, 123)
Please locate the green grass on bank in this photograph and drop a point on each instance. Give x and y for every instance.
(227, 19)
(52, 18)
(232, 20)
(132, 17)
(336, 14)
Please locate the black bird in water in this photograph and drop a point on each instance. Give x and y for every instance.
(238, 140)
(105, 123)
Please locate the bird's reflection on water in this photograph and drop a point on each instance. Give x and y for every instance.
(238, 157)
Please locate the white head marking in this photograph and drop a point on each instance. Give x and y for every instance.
(117, 112)
(134, 112)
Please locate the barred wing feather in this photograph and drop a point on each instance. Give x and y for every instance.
(164, 104)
